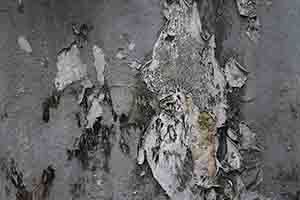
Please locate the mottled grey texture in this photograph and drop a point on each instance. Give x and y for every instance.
(270, 103)
(26, 82)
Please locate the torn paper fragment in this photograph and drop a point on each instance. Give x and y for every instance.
(20, 6)
(179, 127)
(166, 143)
(69, 68)
(247, 8)
(95, 111)
(99, 63)
(235, 74)
(24, 44)
(166, 157)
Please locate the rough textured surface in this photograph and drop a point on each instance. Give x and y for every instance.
(181, 58)
(166, 143)
(269, 104)
(26, 81)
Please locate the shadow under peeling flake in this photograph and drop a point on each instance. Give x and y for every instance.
(50, 102)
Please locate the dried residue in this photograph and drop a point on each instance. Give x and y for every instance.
(191, 86)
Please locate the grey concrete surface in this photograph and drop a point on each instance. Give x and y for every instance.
(270, 103)
(25, 83)
(275, 111)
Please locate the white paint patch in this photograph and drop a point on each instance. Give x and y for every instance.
(70, 68)
(99, 63)
(24, 44)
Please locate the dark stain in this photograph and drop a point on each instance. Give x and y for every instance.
(125, 137)
(222, 148)
(15, 176)
(283, 91)
(108, 99)
(142, 113)
(294, 111)
(170, 38)
(4, 115)
(97, 125)
(92, 140)
(48, 175)
(158, 124)
(46, 111)
(96, 139)
(7, 190)
(115, 117)
(78, 119)
(50, 102)
(169, 2)
(123, 118)
(47, 179)
(155, 153)
(171, 133)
